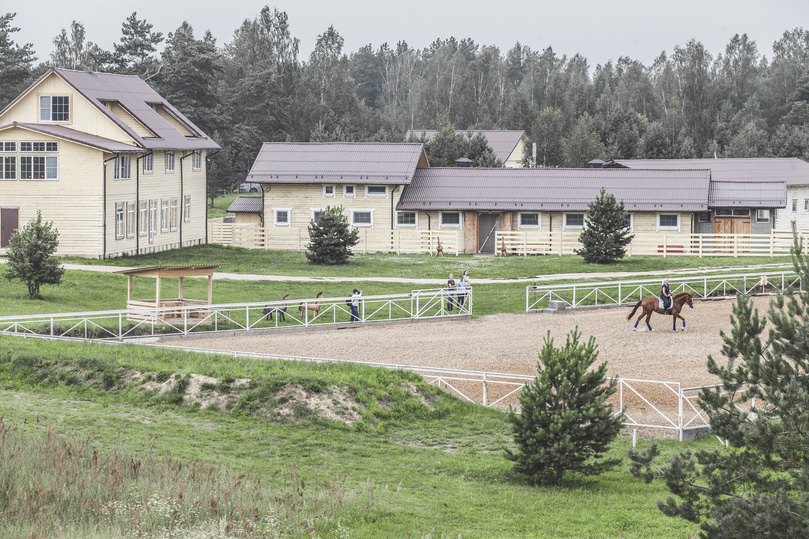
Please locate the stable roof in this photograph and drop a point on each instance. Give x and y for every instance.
(791, 170)
(747, 194)
(65, 133)
(337, 162)
(246, 204)
(554, 189)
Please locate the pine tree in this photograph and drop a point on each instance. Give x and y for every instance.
(331, 238)
(759, 485)
(606, 235)
(30, 256)
(565, 424)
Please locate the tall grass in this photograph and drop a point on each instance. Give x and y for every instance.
(62, 485)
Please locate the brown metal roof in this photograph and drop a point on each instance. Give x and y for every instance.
(503, 142)
(246, 204)
(748, 194)
(337, 162)
(177, 270)
(137, 98)
(791, 170)
(80, 137)
(554, 189)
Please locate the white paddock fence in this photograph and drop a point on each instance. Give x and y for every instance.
(193, 319)
(614, 293)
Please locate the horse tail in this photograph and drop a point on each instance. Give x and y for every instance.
(300, 308)
(633, 310)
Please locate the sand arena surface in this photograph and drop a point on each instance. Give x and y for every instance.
(509, 343)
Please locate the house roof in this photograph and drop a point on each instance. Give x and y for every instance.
(747, 194)
(246, 204)
(109, 145)
(791, 170)
(140, 101)
(503, 142)
(554, 189)
(337, 162)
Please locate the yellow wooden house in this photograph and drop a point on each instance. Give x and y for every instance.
(114, 166)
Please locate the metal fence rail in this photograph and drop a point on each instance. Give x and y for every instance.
(192, 319)
(628, 292)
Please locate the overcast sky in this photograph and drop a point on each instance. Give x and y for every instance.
(599, 30)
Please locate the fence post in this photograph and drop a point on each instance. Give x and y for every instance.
(680, 412)
(665, 244)
(120, 326)
(484, 389)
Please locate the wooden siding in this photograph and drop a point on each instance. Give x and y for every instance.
(130, 120)
(173, 121)
(785, 216)
(515, 159)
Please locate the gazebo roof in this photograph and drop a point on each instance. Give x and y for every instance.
(180, 270)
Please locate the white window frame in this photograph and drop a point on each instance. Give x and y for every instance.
(143, 215)
(631, 222)
(187, 209)
(8, 146)
(566, 226)
(414, 225)
(766, 218)
(46, 111)
(123, 167)
(327, 188)
(794, 205)
(352, 194)
(119, 220)
(130, 220)
(361, 210)
(196, 160)
(4, 160)
(704, 217)
(169, 161)
(148, 163)
(164, 215)
(668, 227)
(152, 219)
(369, 194)
(174, 220)
(288, 211)
(313, 211)
(49, 167)
(537, 226)
(442, 224)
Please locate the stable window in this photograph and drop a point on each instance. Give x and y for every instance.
(54, 108)
(119, 221)
(169, 161)
(147, 163)
(362, 218)
(8, 167)
(529, 220)
(406, 219)
(348, 191)
(762, 216)
(574, 220)
(794, 204)
(328, 191)
(316, 213)
(123, 168)
(143, 213)
(196, 160)
(704, 217)
(152, 219)
(164, 215)
(376, 191)
(668, 221)
(450, 219)
(39, 168)
(8, 146)
(282, 217)
(130, 220)
(805, 204)
(174, 214)
(187, 213)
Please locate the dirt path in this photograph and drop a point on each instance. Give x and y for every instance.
(509, 343)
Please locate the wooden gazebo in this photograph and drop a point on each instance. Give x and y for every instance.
(160, 272)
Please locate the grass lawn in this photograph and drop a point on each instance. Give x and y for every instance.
(412, 471)
(220, 206)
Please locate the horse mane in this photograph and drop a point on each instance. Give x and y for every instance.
(681, 294)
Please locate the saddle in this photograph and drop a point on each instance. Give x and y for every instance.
(662, 306)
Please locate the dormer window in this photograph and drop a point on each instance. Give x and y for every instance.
(54, 108)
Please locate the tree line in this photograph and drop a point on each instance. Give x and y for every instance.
(256, 88)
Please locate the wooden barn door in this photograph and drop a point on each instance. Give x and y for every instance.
(731, 226)
(9, 221)
(488, 225)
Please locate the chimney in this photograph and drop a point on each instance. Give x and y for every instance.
(463, 162)
(596, 163)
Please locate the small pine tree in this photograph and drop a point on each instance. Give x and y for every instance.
(30, 256)
(606, 235)
(758, 485)
(565, 424)
(331, 238)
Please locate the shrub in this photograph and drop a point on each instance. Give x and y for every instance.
(31, 257)
(331, 238)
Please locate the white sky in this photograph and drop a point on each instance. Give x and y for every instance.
(600, 30)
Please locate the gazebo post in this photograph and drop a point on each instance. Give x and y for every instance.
(181, 289)
(129, 288)
(157, 292)
(210, 288)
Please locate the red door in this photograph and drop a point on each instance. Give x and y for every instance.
(8, 224)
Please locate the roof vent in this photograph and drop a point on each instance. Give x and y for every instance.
(463, 162)
(595, 163)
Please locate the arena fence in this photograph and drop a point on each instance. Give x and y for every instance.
(613, 293)
(193, 319)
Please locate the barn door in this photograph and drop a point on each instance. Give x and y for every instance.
(9, 221)
(488, 225)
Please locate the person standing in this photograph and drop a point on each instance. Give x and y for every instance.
(665, 295)
(465, 278)
(450, 292)
(355, 305)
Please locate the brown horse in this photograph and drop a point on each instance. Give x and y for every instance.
(651, 305)
(314, 307)
(280, 309)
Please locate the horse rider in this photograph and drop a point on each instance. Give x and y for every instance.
(665, 295)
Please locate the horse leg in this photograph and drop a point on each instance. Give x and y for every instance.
(648, 317)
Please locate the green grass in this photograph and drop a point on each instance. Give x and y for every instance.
(220, 206)
(439, 472)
